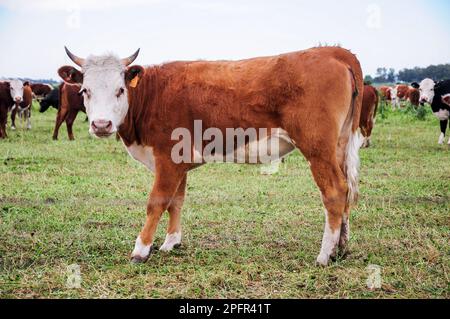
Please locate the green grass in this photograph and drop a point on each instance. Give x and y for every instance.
(245, 235)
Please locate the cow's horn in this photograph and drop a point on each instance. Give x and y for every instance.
(78, 61)
(131, 58)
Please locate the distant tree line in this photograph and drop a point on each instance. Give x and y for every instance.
(45, 81)
(435, 72)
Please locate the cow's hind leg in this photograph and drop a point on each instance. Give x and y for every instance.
(60, 118)
(3, 120)
(173, 237)
(333, 186)
(69, 123)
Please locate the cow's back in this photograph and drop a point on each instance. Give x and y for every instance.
(230, 92)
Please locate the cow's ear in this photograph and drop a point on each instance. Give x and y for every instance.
(415, 85)
(70, 75)
(133, 74)
(446, 99)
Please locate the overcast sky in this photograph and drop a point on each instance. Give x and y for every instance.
(399, 34)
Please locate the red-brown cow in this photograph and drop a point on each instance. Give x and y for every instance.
(385, 92)
(310, 99)
(71, 102)
(24, 108)
(402, 92)
(414, 96)
(6, 101)
(368, 113)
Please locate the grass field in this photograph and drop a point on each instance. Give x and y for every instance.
(245, 234)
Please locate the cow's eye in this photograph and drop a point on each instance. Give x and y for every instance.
(120, 92)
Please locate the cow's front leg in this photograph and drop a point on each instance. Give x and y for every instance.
(29, 119)
(168, 178)
(173, 237)
(444, 124)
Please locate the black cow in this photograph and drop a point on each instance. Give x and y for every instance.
(52, 99)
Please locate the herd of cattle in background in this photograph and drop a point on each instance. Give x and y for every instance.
(16, 97)
(314, 100)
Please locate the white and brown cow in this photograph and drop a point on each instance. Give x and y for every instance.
(436, 94)
(23, 109)
(310, 98)
(11, 96)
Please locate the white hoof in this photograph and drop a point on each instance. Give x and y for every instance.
(441, 139)
(141, 252)
(323, 260)
(13, 128)
(172, 241)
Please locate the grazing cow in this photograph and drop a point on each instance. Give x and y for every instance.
(385, 92)
(368, 113)
(310, 99)
(71, 102)
(402, 92)
(52, 99)
(414, 97)
(41, 90)
(24, 108)
(433, 93)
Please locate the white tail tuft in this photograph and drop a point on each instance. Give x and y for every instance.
(352, 166)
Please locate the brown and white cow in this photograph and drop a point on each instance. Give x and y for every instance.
(389, 94)
(368, 113)
(24, 108)
(11, 95)
(41, 90)
(71, 102)
(310, 98)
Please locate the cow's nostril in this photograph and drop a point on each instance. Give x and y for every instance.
(101, 126)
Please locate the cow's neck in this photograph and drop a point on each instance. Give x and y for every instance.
(137, 125)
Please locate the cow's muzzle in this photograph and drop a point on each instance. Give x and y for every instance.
(102, 128)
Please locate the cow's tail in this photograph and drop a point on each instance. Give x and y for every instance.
(351, 164)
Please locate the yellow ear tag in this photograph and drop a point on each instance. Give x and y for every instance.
(134, 82)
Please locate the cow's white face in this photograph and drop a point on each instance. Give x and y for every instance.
(105, 93)
(427, 91)
(104, 81)
(16, 87)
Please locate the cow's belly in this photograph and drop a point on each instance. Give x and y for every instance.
(442, 115)
(142, 154)
(250, 153)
